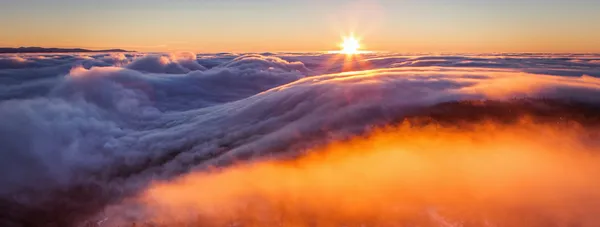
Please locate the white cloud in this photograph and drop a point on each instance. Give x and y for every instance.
(112, 124)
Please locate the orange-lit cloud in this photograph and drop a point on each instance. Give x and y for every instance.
(486, 174)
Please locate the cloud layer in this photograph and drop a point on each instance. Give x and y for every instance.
(80, 132)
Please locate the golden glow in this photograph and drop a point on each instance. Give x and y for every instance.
(350, 45)
(488, 175)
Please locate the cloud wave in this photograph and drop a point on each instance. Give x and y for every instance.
(81, 132)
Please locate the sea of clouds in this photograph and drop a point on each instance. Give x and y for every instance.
(80, 132)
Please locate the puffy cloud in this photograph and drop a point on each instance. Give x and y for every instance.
(262, 62)
(179, 63)
(212, 60)
(107, 127)
(157, 64)
(45, 139)
(187, 60)
(117, 59)
(13, 62)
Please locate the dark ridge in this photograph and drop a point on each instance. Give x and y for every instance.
(66, 208)
(25, 50)
(538, 110)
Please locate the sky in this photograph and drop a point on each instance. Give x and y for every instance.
(311, 25)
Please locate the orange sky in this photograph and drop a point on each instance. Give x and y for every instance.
(267, 25)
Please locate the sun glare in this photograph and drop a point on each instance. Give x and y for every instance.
(350, 45)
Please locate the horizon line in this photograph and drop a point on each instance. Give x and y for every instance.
(312, 51)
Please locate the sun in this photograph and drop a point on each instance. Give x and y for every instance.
(350, 45)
